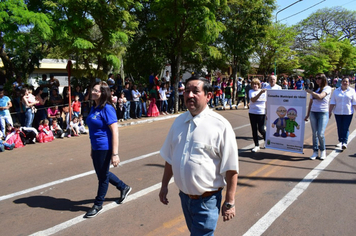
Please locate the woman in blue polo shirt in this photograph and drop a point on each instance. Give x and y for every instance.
(104, 139)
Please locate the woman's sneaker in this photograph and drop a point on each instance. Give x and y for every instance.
(344, 146)
(314, 156)
(255, 149)
(322, 155)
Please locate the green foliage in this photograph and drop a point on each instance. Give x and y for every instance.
(330, 55)
(94, 33)
(246, 24)
(23, 36)
(276, 47)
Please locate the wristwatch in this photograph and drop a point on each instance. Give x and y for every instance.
(228, 205)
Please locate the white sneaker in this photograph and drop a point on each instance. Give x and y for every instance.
(255, 149)
(322, 155)
(245, 107)
(314, 156)
(339, 145)
(344, 146)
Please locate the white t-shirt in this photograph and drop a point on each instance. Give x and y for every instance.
(200, 149)
(323, 104)
(167, 77)
(268, 86)
(343, 101)
(162, 94)
(258, 107)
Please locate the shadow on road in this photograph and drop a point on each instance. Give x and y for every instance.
(57, 204)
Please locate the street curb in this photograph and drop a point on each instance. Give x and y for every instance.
(148, 120)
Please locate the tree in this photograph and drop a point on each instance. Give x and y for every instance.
(183, 27)
(23, 35)
(327, 22)
(94, 33)
(145, 53)
(275, 50)
(246, 24)
(330, 55)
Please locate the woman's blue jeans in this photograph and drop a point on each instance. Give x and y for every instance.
(101, 161)
(343, 123)
(164, 105)
(318, 122)
(29, 117)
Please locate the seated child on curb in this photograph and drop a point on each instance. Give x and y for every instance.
(59, 119)
(45, 135)
(12, 137)
(81, 125)
(56, 129)
(73, 128)
(30, 134)
(4, 145)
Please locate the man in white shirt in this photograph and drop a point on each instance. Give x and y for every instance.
(272, 83)
(167, 77)
(201, 154)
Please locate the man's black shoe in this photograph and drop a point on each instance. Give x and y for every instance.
(124, 193)
(93, 211)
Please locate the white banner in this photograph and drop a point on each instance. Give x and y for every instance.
(285, 120)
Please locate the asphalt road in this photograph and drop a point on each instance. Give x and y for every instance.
(47, 188)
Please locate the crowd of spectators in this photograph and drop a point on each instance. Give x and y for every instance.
(45, 110)
(30, 115)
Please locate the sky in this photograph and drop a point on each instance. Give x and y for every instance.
(302, 6)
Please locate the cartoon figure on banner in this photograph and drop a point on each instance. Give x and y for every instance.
(280, 123)
(290, 122)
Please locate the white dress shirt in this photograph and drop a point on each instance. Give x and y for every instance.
(275, 87)
(200, 150)
(343, 101)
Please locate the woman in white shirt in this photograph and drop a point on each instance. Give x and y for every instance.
(343, 103)
(257, 111)
(318, 111)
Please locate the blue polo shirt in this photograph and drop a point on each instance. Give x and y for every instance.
(98, 122)
(3, 103)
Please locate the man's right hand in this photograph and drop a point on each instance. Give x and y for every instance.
(163, 195)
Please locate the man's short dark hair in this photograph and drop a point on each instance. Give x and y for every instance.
(206, 86)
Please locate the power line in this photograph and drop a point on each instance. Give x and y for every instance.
(348, 3)
(304, 10)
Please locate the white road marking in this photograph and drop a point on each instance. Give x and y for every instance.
(242, 126)
(266, 221)
(259, 228)
(78, 219)
(25, 191)
(4, 197)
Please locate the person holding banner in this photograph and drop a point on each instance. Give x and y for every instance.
(272, 83)
(343, 103)
(257, 111)
(318, 111)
